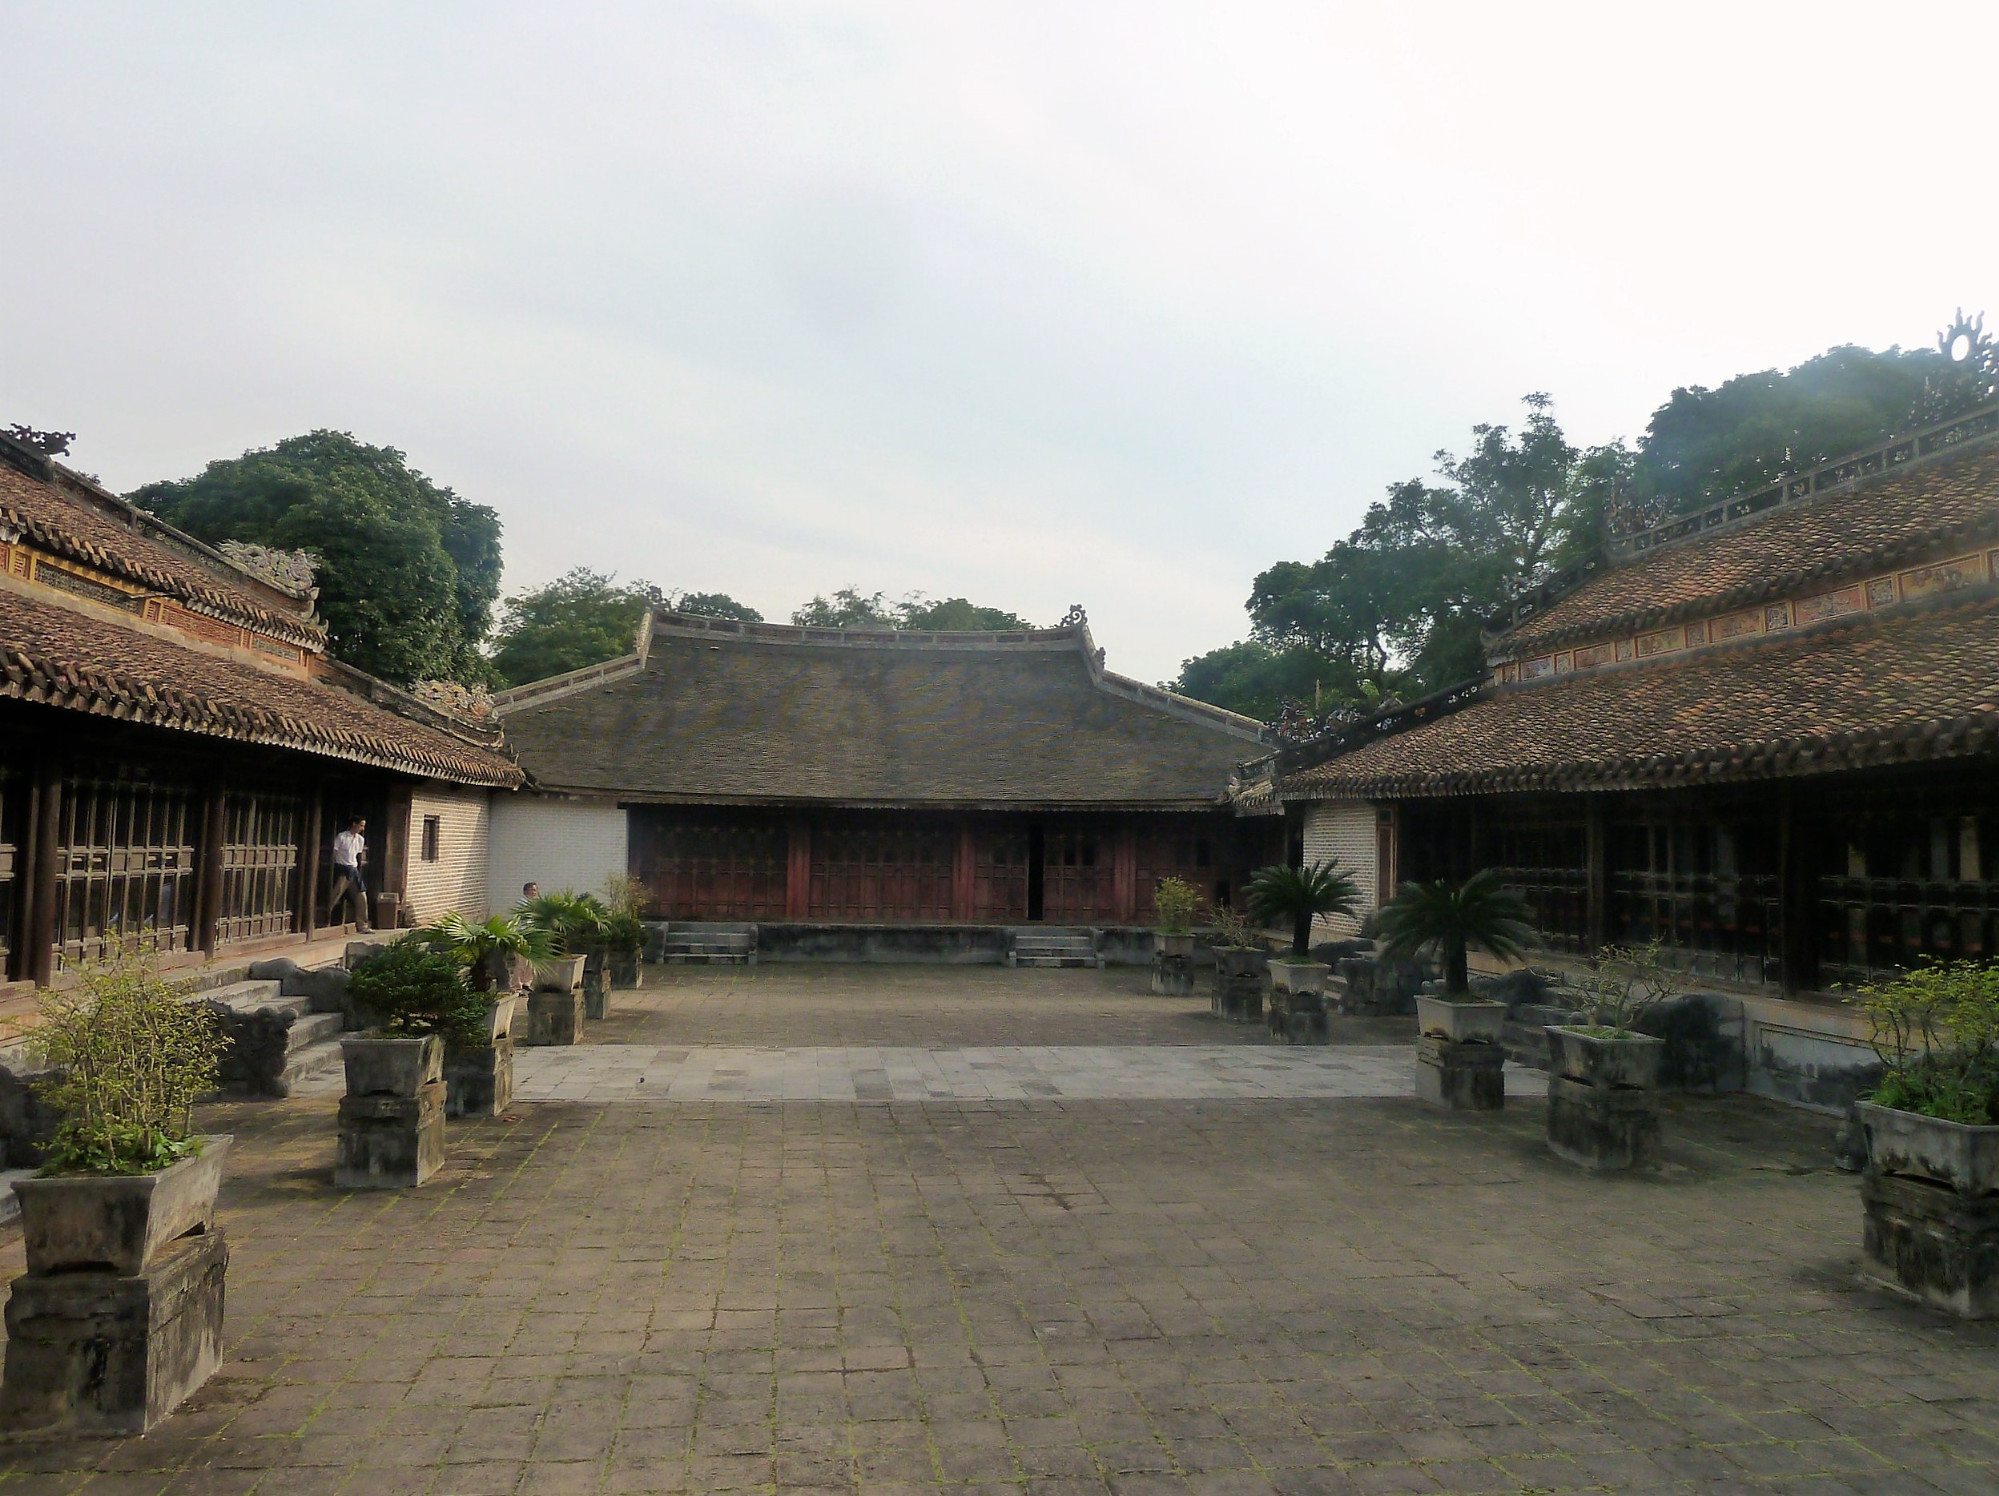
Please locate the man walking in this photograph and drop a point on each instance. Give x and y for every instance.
(350, 857)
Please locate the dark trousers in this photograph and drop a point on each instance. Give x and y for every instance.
(349, 883)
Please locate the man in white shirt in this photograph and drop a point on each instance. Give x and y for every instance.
(350, 857)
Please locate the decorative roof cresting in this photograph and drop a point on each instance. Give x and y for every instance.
(289, 571)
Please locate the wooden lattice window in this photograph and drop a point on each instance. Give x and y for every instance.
(124, 869)
(999, 875)
(259, 866)
(1913, 888)
(711, 871)
(1706, 890)
(1077, 881)
(1548, 866)
(881, 872)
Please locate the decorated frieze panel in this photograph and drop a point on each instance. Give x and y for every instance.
(1913, 584)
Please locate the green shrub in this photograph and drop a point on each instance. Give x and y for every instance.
(573, 919)
(1296, 896)
(1174, 900)
(1234, 929)
(417, 991)
(130, 1059)
(1622, 984)
(1936, 1030)
(623, 933)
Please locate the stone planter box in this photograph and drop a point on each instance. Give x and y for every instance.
(1173, 945)
(118, 1223)
(1467, 1076)
(1627, 1060)
(625, 969)
(555, 1018)
(1605, 1129)
(1955, 1155)
(1461, 1021)
(563, 974)
(390, 1142)
(479, 1082)
(1240, 974)
(500, 1017)
(1290, 975)
(1298, 1017)
(103, 1353)
(1172, 976)
(391, 1067)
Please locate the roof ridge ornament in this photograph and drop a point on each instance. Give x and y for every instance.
(289, 571)
(1075, 618)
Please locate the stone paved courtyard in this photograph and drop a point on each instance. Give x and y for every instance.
(1046, 1295)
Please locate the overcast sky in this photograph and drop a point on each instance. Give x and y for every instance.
(1032, 303)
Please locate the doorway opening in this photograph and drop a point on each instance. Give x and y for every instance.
(1036, 849)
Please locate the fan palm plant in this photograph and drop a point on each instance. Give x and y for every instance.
(1451, 918)
(571, 919)
(1298, 895)
(484, 948)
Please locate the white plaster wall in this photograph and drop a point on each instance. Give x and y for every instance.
(558, 843)
(1344, 832)
(458, 879)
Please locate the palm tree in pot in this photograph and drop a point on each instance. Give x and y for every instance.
(1296, 896)
(1451, 918)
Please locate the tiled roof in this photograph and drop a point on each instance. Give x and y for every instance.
(1879, 689)
(106, 534)
(766, 714)
(1875, 525)
(69, 659)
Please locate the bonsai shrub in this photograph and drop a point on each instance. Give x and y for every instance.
(131, 1057)
(1174, 901)
(484, 949)
(1298, 895)
(1622, 983)
(418, 990)
(1234, 929)
(1936, 1030)
(1451, 918)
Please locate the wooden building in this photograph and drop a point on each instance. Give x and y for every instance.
(176, 749)
(759, 772)
(1765, 733)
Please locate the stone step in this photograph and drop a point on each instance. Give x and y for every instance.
(315, 1067)
(1024, 959)
(705, 958)
(314, 1028)
(247, 997)
(1054, 943)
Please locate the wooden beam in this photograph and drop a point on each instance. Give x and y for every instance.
(40, 876)
(308, 873)
(1124, 872)
(208, 870)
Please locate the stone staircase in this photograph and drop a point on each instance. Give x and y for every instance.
(1045, 947)
(687, 944)
(281, 1043)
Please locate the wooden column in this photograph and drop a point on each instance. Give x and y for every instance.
(1794, 895)
(1596, 862)
(208, 871)
(394, 863)
(964, 873)
(798, 870)
(308, 873)
(39, 877)
(1124, 873)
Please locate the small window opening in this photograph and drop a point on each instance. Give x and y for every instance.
(433, 827)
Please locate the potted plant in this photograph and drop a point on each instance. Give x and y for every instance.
(127, 1191)
(1448, 920)
(1603, 1074)
(1241, 964)
(624, 931)
(1297, 896)
(1930, 1190)
(1174, 901)
(576, 921)
(392, 1118)
(479, 1065)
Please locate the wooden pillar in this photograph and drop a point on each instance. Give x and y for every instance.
(308, 873)
(208, 871)
(1794, 895)
(1124, 872)
(395, 859)
(1596, 864)
(798, 870)
(40, 875)
(964, 873)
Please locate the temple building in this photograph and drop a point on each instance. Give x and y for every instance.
(176, 748)
(1763, 733)
(761, 772)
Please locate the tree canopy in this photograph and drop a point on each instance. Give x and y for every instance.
(407, 570)
(849, 608)
(585, 617)
(1396, 606)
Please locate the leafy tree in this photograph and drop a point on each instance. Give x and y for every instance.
(849, 608)
(1298, 895)
(407, 570)
(585, 617)
(1256, 680)
(1451, 917)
